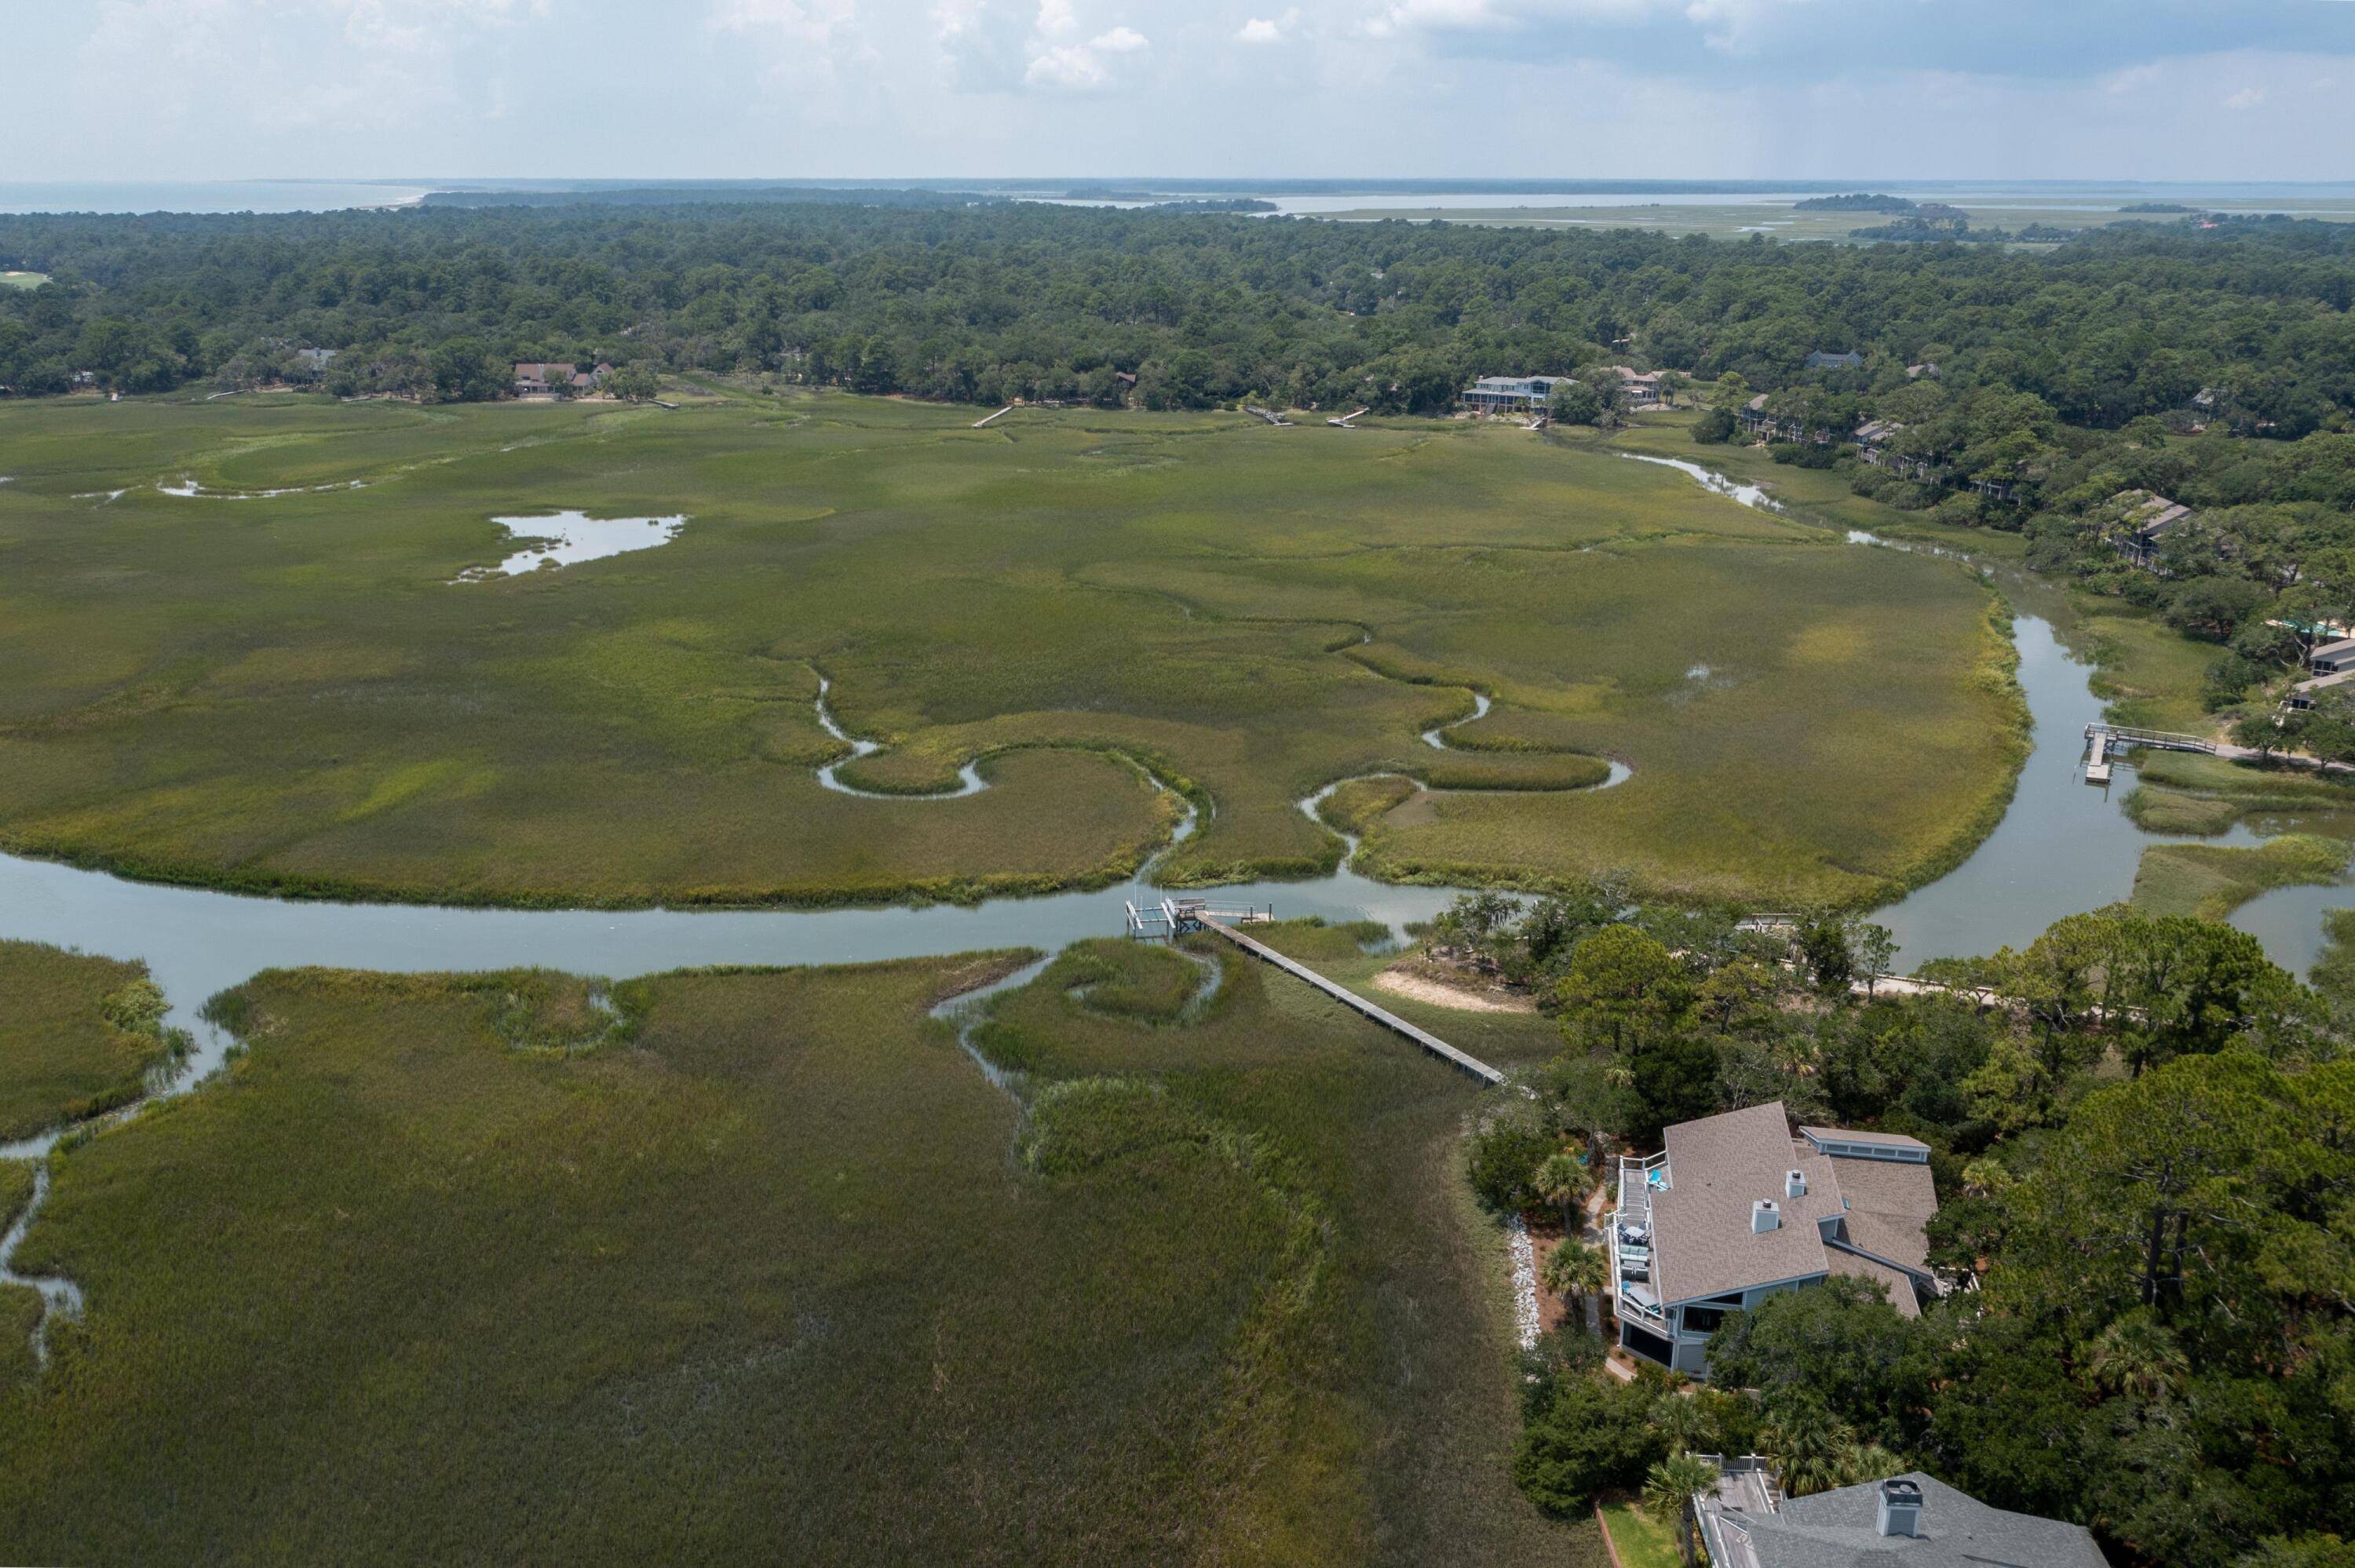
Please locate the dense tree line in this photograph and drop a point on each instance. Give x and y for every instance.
(2139, 1133)
(995, 301)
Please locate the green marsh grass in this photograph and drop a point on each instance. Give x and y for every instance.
(770, 1271)
(78, 1036)
(2212, 880)
(290, 695)
(2333, 973)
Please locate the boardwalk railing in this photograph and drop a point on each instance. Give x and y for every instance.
(1351, 1000)
(2120, 736)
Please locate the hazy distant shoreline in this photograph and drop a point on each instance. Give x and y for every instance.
(1310, 193)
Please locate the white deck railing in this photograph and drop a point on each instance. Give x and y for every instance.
(1635, 1208)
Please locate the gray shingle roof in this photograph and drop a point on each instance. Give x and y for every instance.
(1719, 1166)
(1840, 1529)
(1888, 1205)
(1896, 1281)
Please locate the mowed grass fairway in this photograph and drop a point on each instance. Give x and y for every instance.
(291, 693)
(452, 1269)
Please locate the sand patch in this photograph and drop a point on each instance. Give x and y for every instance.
(1438, 994)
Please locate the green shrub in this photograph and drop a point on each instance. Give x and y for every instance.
(1504, 1156)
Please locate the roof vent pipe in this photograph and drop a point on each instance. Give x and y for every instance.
(1794, 1184)
(1901, 1506)
(1765, 1216)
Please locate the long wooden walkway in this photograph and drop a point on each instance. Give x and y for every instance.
(1351, 1000)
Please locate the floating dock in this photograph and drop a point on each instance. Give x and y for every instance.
(2097, 758)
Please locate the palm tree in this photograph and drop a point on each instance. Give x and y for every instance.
(2136, 1356)
(1574, 1270)
(1672, 1485)
(1869, 1462)
(1561, 1179)
(1986, 1176)
(1810, 1448)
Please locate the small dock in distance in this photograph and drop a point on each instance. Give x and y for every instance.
(1178, 917)
(2107, 741)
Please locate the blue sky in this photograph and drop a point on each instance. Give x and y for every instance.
(176, 90)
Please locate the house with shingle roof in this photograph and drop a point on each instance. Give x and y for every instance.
(1912, 1521)
(2145, 517)
(1736, 1207)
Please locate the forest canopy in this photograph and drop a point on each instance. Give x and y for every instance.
(997, 301)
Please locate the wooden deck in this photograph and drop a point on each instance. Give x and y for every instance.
(1351, 1000)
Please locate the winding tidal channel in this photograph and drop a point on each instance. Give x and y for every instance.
(2061, 848)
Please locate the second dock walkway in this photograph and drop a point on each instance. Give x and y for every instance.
(1350, 999)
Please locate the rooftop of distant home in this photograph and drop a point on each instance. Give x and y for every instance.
(2149, 513)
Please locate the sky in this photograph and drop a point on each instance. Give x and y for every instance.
(205, 90)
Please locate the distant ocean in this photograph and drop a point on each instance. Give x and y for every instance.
(210, 195)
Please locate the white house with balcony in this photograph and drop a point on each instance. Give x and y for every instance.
(1737, 1207)
(1510, 393)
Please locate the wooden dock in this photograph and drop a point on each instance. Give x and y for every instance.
(2105, 741)
(978, 424)
(2097, 757)
(1352, 1000)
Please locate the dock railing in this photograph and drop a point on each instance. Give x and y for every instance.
(2120, 736)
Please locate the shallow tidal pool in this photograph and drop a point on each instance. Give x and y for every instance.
(568, 538)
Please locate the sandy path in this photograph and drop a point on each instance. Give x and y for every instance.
(1421, 988)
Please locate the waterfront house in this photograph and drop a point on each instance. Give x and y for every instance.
(2303, 695)
(1511, 394)
(2330, 658)
(1735, 1208)
(1754, 417)
(1819, 360)
(1641, 387)
(536, 377)
(1873, 440)
(2143, 517)
(1912, 1520)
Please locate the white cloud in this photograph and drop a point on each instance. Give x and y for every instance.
(1057, 18)
(2247, 98)
(1268, 30)
(1083, 68)
(1730, 26)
